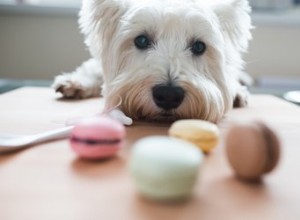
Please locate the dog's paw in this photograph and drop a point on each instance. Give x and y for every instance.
(70, 88)
(120, 117)
(242, 97)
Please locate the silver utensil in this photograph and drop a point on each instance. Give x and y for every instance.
(293, 96)
(9, 142)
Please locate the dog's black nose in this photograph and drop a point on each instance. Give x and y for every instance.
(168, 97)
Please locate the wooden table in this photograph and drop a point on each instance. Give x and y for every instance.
(49, 182)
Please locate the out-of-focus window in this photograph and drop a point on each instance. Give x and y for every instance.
(273, 4)
(43, 2)
(7, 1)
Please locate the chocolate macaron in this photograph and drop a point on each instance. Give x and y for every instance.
(253, 149)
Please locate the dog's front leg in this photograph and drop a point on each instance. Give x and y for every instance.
(118, 115)
(242, 96)
(84, 82)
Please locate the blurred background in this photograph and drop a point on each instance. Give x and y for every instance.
(40, 39)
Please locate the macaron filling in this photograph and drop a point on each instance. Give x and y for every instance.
(271, 144)
(196, 139)
(94, 142)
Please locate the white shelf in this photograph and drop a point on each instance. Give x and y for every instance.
(290, 18)
(52, 10)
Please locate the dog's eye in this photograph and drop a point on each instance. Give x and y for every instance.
(198, 48)
(142, 42)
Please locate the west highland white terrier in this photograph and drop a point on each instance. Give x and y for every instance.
(163, 60)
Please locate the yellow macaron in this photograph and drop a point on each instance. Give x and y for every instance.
(204, 134)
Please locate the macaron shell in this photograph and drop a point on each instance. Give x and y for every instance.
(95, 152)
(205, 145)
(178, 158)
(191, 128)
(98, 128)
(246, 151)
(166, 190)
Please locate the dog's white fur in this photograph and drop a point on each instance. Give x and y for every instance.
(127, 74)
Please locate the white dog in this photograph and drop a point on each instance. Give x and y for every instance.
(163, 59)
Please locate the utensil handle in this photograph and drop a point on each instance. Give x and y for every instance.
(53, 135)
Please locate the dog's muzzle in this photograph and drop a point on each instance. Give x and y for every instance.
(168, 96)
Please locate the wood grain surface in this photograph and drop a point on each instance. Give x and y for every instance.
(49, 182)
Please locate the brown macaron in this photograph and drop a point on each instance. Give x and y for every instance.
(253, 150)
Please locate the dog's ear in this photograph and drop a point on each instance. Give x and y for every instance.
(234, 17)
(100, 14)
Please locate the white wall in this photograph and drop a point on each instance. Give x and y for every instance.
(274, 51)
(40, 46)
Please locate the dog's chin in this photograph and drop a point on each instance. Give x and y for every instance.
(164, 117)
(161, 117)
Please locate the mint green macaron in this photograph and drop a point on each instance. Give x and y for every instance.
(165, 169)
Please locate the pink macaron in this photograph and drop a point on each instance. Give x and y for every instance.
(97, 138)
